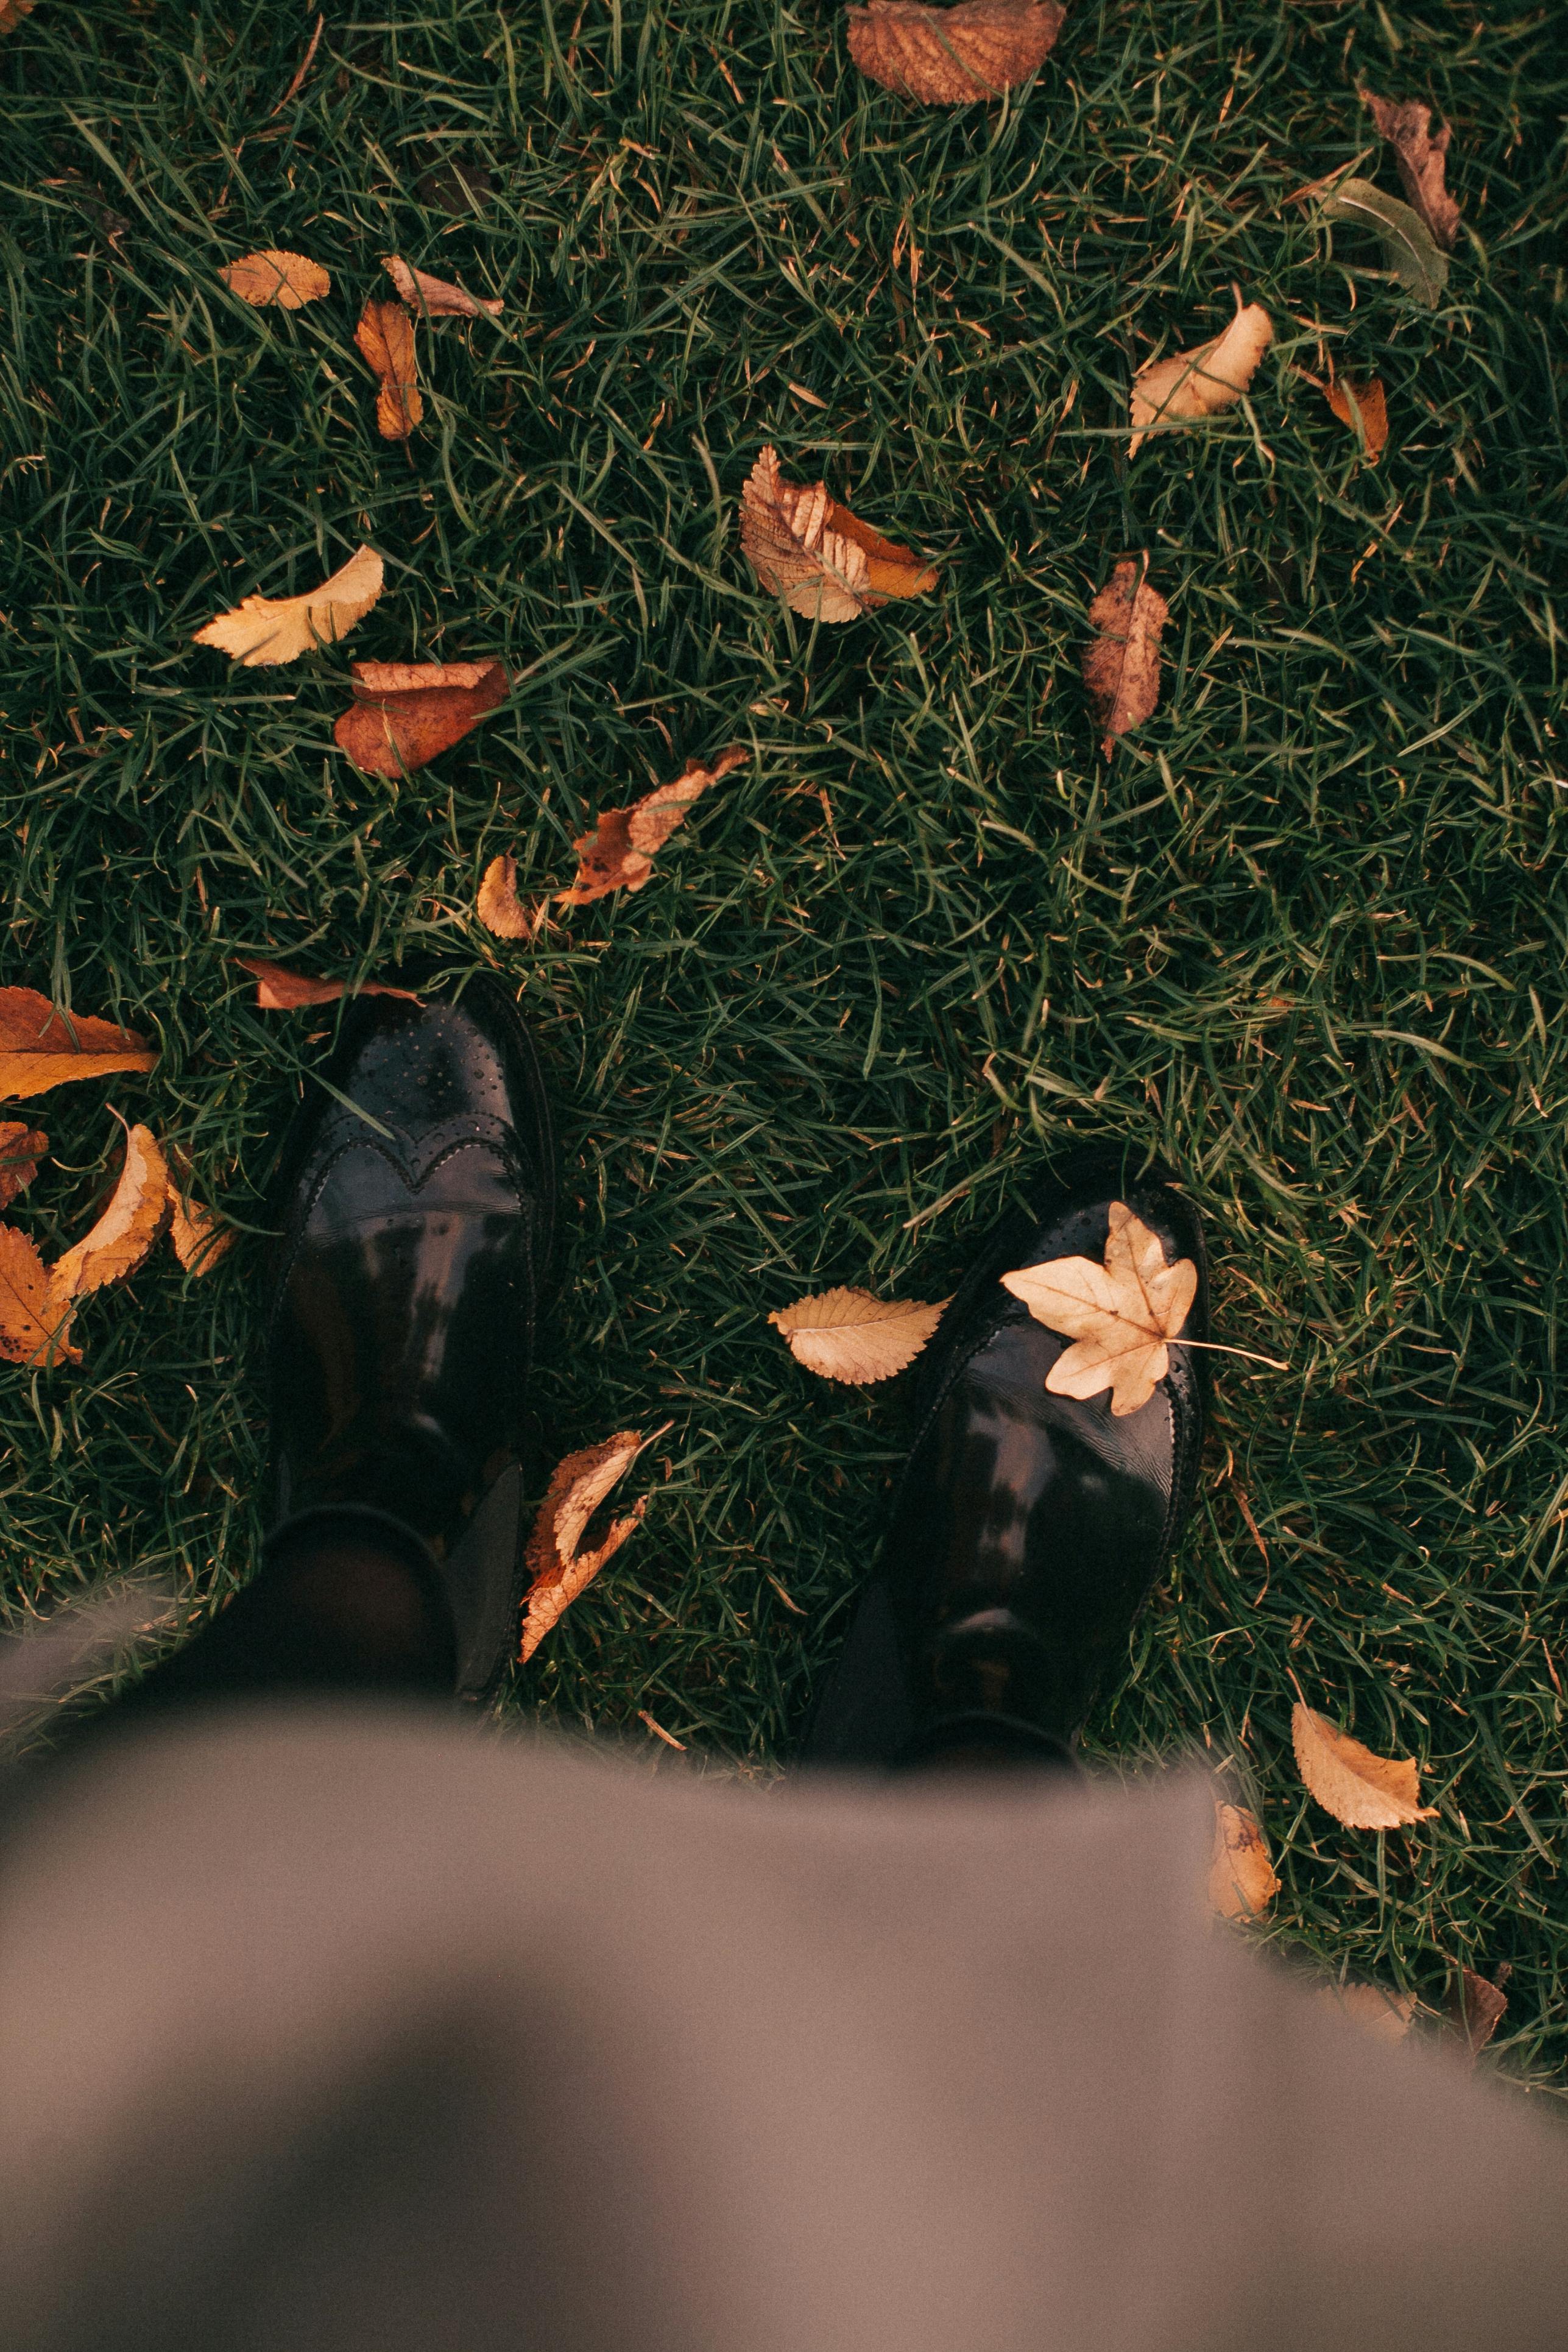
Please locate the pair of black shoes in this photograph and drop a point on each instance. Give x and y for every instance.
(416, 1202)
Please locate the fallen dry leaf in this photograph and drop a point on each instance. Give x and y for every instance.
(199, 1236)
(1363, 404)
(278, 990)
(1242, 1883)
(268, 629)
(1476, 2008)
(1362, 1791)
(1423, 161)
(437, 297)
(385, 337)
(1408, 245)
(951, 57)
(34, 1320)
(848, 1335)
(1386, 2015)
(823, 561)
(21, 1148)
(12, 13)
(559, 1571)
(41, 1047)
(288, 279)
(500, 908)
(116, 1245)
(1189, 385)
(1121, 662)
(1119, 1316)
(404, 713)
(619, 854)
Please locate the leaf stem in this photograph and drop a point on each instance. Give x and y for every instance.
(1218, 1348)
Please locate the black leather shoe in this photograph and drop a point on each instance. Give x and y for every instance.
(417, 1199)
(1027, 1528)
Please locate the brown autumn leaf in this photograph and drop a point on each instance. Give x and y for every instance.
(114, 1247)
(1189, 385)
(1476, 2008)
(951, 57)
(404, 713)
(385, 339)
(12, 13)
(500, 908)
(438, 297)
(278, 990)
(619, 854)
(290, 280)
(1387, 2016)
(269, 629)
(848, 1335)
(1119, 1316)
(1364, 403)
(1242, 1883)
(40, 1047)
(1121, 661)
(822, 560)
(35, 1321)
(559, 1571)
(21, 1148)
(1423, 161)
(1362, 1791)
(199, 1237)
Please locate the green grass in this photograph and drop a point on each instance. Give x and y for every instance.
(1305, 935)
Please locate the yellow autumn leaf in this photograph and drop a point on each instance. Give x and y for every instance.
(115, 1247)
(42, 1047)
(1362, 1791)
(558, 1570)
(288, 279)
(264, 630)
(848, 1335)
(500, 908)
(1241, 1877)
(822, 560)
(1189, 385)
(1119, 1315)
(34, 1320)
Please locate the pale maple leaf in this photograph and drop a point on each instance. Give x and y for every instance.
(1119, 1315)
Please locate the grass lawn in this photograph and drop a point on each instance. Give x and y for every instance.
(1304, 936)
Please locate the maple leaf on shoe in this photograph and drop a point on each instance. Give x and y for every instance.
(404, 713)
(42, 1047)
(438, 297)
(824, 563)
(1121, 662)
(951, 57)
(288, 280)
(619, 854)
(1362, 1791)
(1188, 386)
(270, 629)
(848, 1335)
(559, 1571)
(1119, 1315)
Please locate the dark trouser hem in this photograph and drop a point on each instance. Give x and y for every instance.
(988, 1742)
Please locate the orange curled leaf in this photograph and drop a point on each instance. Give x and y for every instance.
(822, 560)
(21, 1148)
(559, 1571)
(278, 990)
(264, 630)
(116, 1244)
(385, 338)
(41, 1047)
(404, 713)
(1362, 1791)
(288, 279)
(1362, 406)
(619, 854)
(34, 1320)
(437, 297)
(199, 1236)
(500, 908)
(951, 57)
(1422, 156)
(1477, 2009)
(1121, 663)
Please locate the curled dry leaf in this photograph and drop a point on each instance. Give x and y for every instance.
(278, 990)
(41, 1047)
(404, 713)
(1407, 242)
(1422, 159)
(951, 57)
(268, 629)
(385, 338)
(1189, 385)
(1387, 2016)
(822, 560)
(1362, 1791)
(500, 908)
(21, 1148)
(199, 1239)
(437, 297)
(619, 854)
(1364, 408)
(115, 1247)
(1121, 662)
(288, 279)
(848, 1335)
(1242, 1883)
(34, 1320)
(1477, 2009)
(1119, 1315)
(559, 1571)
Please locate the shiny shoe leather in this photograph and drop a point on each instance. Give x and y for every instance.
(1026, 1529)
(417, 1199)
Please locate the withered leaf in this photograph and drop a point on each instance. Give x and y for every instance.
(619, 854)
(1477, 2009)
(116, 1245)
(559, 1571)
(1121, 661)
(1407, 242)
(1422, 156)
(500, 908)
(385, 338)
(951, 57)
(438, 298)
(848, 1335)
(822, 560)
(1188, 386)
(1387, 2016)
(1364, 408)
(278, 990)
(1118, 1315)
(268, 629)
(1242, 1883)
(199, 1236)
(1362, 1791)
(12, 13)
(21, 1148)
(404, 713)
(40, 1047)
(34, 1320)
(290, 280)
